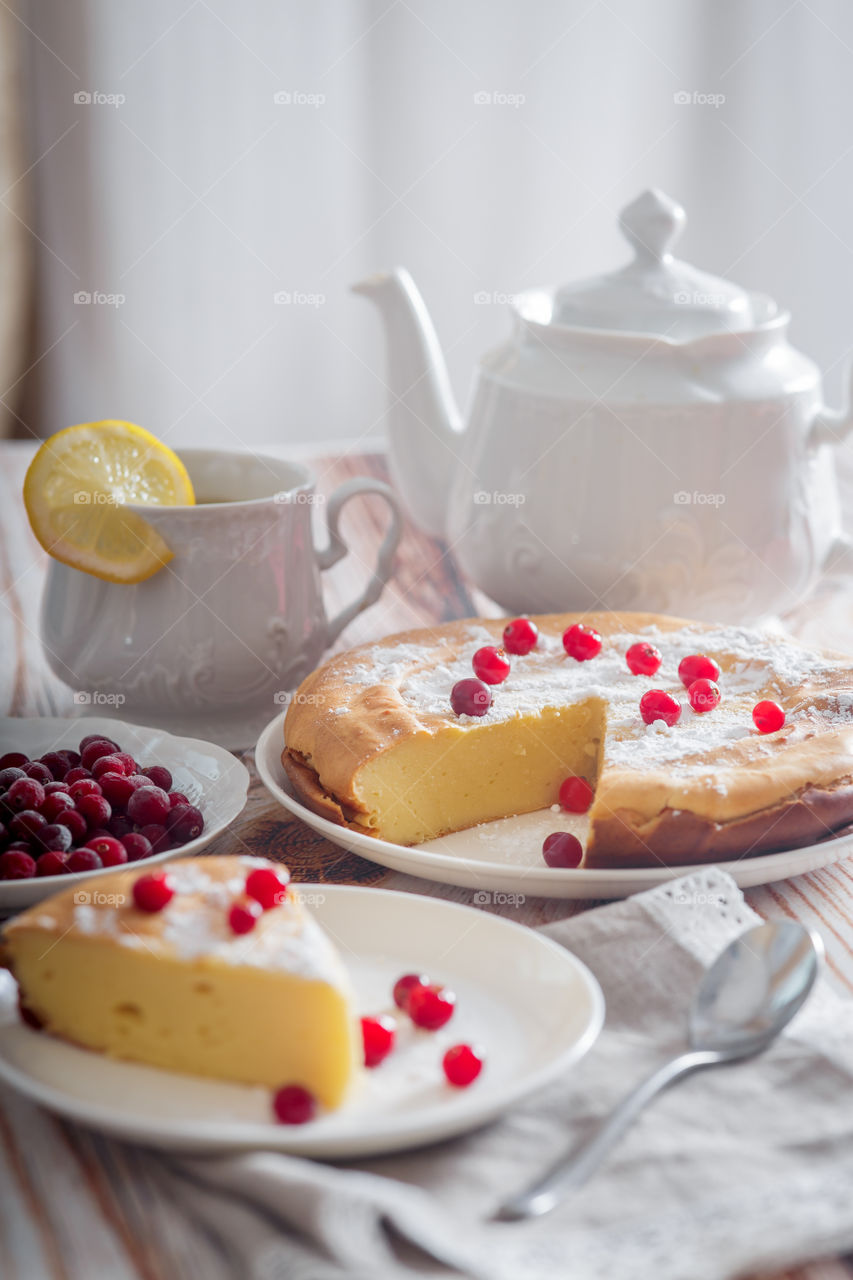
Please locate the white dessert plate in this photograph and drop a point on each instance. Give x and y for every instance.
(505, 857)
(527, 1002)
(213, 780)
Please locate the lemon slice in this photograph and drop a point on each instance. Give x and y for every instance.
(75, 493)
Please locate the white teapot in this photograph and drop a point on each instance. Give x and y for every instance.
(647, 439)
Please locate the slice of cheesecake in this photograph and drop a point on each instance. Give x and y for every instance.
(178, 988)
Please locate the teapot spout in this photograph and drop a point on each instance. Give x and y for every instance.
(424, 426)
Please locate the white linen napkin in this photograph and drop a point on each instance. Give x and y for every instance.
(735, 1170)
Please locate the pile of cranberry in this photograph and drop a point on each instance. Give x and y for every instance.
(697, 672)
(430, 1006)
(72, 811)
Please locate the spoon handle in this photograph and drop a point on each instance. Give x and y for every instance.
(573, 1170)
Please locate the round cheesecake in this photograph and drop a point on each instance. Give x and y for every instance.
(372, 742)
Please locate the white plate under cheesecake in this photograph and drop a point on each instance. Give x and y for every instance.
(531, 1007)
(373, 748)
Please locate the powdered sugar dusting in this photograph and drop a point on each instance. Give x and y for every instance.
(194, 924)
(755, 665)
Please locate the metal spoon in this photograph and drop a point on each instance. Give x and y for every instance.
(749, 994)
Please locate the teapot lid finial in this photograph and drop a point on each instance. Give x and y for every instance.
(651, 224)
(656, 293)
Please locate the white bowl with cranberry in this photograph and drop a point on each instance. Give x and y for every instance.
(82, 796)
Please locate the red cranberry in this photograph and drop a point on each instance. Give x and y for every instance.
(184, 823)
(23, 846)
(698, 666)
(25, 825)
(95, 737)
(95, 809)
(76, 775)
(130, 765)
(294, 1105)
(462, 1065)
(55, 763)
(39, 772)
(657, 704)
(95, 749)
(111, 764)
(85, 787)
(71, 758)
(470, 697)
(148, 804)
(576, 795)
(84, 859)
(159, 776)
(10, 775)
(178, 797)
(378, 1036)
(266, 886)
(52, 863)
(13, 760)
(157, 836)
(243, 916)
(562, 849)
(153, 892)
(120, 826)
(703, 695)
(75, 822)
(115, 787)
(56, 788)
(404, 987)
(111, 851)
(25, 793)
(430, 1007)
(768, 716)
(55, 804)
(582, 642)
(136, 846)
(54, 836)
(520, 635)
(643, 658)
(16, 865)
(490, 665)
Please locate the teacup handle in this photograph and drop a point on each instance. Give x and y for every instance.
(337, 548)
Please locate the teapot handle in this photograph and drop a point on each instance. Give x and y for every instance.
(832, 426)
(337, 548)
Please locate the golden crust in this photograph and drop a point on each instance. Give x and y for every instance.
(335, 725)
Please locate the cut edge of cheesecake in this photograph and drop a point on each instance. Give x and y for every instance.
(513, 767)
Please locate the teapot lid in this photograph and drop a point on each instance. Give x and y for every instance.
(656, 293)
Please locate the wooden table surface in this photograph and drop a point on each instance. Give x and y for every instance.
(72, 1206)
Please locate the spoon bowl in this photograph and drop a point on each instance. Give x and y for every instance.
(754, 988)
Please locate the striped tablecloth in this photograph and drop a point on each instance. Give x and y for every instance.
(75, 1207)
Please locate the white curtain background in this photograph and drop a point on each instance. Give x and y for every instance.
(196, 197)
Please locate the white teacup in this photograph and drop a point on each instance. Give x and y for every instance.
(212, 643)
